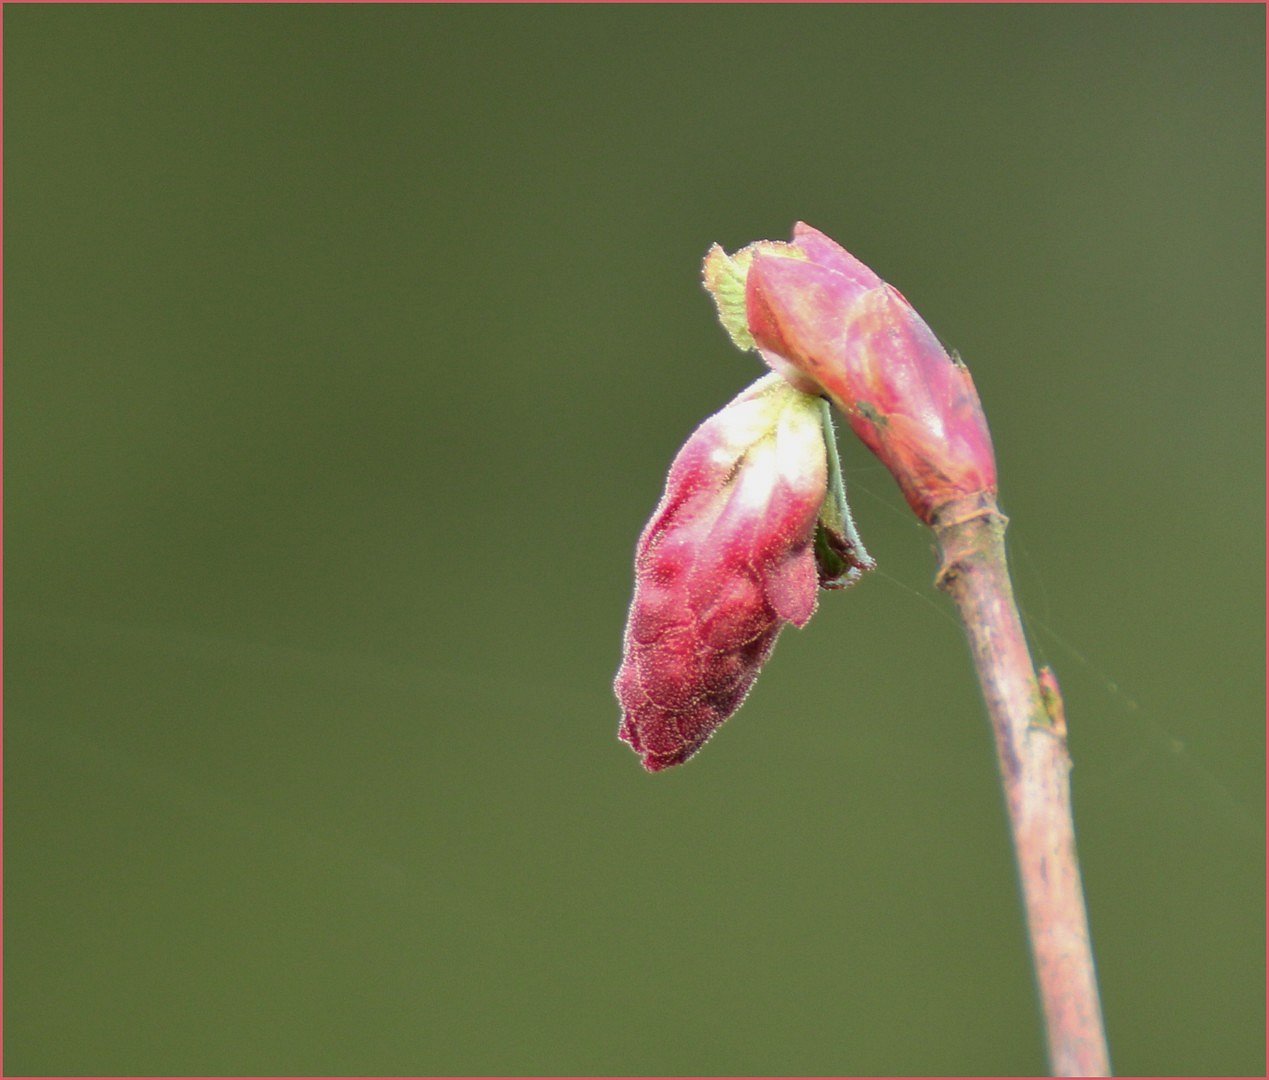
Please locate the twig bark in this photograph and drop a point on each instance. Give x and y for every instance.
(1030, 729)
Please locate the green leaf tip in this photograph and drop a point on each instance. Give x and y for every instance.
(724, 278)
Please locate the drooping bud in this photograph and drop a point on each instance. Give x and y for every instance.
(729, 556)
(818, 316)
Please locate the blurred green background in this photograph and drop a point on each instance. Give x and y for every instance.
(346, 351)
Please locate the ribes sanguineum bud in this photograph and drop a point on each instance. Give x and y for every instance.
(753, 521)
(829, 325)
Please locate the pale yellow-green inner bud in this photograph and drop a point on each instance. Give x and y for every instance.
(778, 432)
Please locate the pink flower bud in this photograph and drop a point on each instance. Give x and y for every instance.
(729, 556)
(817, 315)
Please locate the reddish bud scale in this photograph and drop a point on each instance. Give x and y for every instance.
(726, 560)
(815, 312)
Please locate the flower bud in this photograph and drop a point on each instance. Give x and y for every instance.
(729, 556)
(821, 318)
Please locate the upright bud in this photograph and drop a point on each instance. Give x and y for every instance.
(825, 321)
(752, 522)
